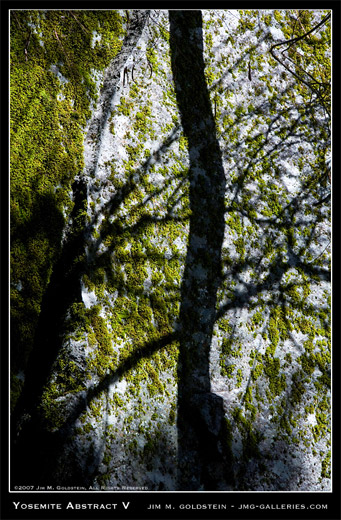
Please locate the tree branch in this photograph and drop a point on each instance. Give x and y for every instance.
(290, 43)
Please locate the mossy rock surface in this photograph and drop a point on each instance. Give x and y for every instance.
(113, 386)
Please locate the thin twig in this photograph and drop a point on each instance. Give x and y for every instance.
(304, 35)
(133, 67)
(299, 20)
(291, 42)
(79, 23)
(318, 256)
(66, 56)
(27, 45)
(17, 19)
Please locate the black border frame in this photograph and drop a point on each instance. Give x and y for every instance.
(139, 502)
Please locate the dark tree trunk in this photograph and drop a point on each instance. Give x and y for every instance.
(202, 433)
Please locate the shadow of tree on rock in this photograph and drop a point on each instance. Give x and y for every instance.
(219, 447)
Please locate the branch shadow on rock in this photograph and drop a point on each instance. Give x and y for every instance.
(205, 460)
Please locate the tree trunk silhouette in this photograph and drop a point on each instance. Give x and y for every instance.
(35, 451)
(202, 432)
(33, 448)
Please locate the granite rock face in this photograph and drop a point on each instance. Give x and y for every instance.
(194, 347)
